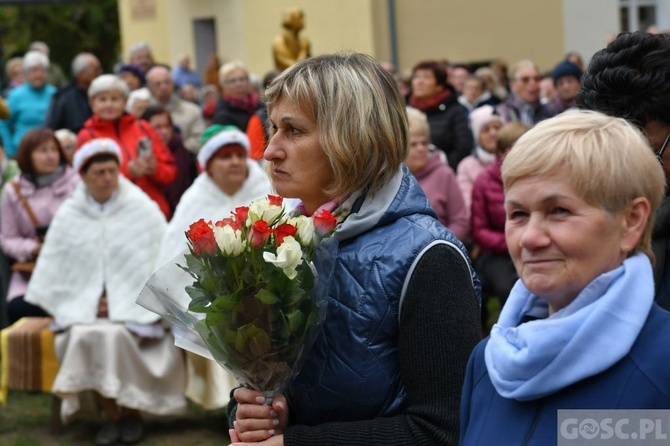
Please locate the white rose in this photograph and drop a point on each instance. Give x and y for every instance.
(289, 256)
(263, 210)
(305, 226)
(229, 240)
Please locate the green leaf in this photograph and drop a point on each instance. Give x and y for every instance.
(215, 320)
(199, 299)
(282, 329)
(188, 271)
(295, 320)
(258, 340)
(247, 276)
(250, 308)
(267, 297)
(297, 296)
(194, 265)
(252, 341)
(208, 283)
(241, 342)
(225, 302)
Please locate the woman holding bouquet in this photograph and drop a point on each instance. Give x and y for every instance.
(403, 302)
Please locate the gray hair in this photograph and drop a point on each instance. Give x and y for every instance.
(65, 136)
(142, 94)
(107, 82)
(39, 46)
(35, 59)
(137, 47)
(81, 62)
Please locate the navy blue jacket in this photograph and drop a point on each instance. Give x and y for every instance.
(69, 109)
(352, 371)
(641, 380)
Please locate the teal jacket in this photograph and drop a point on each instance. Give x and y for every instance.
(27, 109)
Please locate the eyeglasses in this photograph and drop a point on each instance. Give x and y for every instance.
(423, 144)
(236, 80)
(659, 154)
(526, 79)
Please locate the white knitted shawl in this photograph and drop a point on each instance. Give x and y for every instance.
(204, 199)
(87, 249)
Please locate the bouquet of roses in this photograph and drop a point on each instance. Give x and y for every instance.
(252, 283)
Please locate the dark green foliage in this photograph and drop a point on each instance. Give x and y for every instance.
(68, 29)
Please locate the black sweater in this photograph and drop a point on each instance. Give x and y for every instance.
(439, 328)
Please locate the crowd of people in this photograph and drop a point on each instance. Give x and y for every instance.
(488, 182)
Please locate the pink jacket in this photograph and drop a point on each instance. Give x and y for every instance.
(438, 181)
(468, 171)
(488, 210)
(18, 237)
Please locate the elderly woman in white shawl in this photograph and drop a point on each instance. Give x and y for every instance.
(101, 248)
(229, 179)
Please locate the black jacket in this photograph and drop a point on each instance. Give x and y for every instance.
(69, 109)
(226, 113)
(449, 129)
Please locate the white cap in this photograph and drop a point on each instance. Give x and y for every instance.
(226, 136)
(95, 147)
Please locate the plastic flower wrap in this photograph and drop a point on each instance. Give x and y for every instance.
(252, 288)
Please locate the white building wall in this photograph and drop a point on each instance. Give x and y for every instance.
(663, 14)
(587, 23)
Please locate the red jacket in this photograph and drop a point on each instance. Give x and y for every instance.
(488, 210)
(127, 131)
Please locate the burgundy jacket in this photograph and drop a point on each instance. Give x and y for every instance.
(488, 210)
(186, 171)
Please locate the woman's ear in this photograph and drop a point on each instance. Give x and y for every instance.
(635, 219)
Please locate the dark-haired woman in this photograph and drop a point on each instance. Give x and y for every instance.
(28, 205)
(432, 94)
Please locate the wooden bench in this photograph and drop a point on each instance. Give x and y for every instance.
(29, 362)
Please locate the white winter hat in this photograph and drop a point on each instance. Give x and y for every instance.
(481, 116)
(95, 147)
(217, 136)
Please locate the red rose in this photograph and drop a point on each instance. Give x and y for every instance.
(275, 200)
(229, 222)
(202, 239)
(282, 231)
(324, 222)
(259, 233)
(241, 213)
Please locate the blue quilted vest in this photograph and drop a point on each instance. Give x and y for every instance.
(352, 372)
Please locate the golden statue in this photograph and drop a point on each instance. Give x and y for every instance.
(288, 47)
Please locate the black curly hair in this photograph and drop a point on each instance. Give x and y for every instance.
(630, 79)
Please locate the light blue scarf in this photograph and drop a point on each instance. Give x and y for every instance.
(588, 336)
